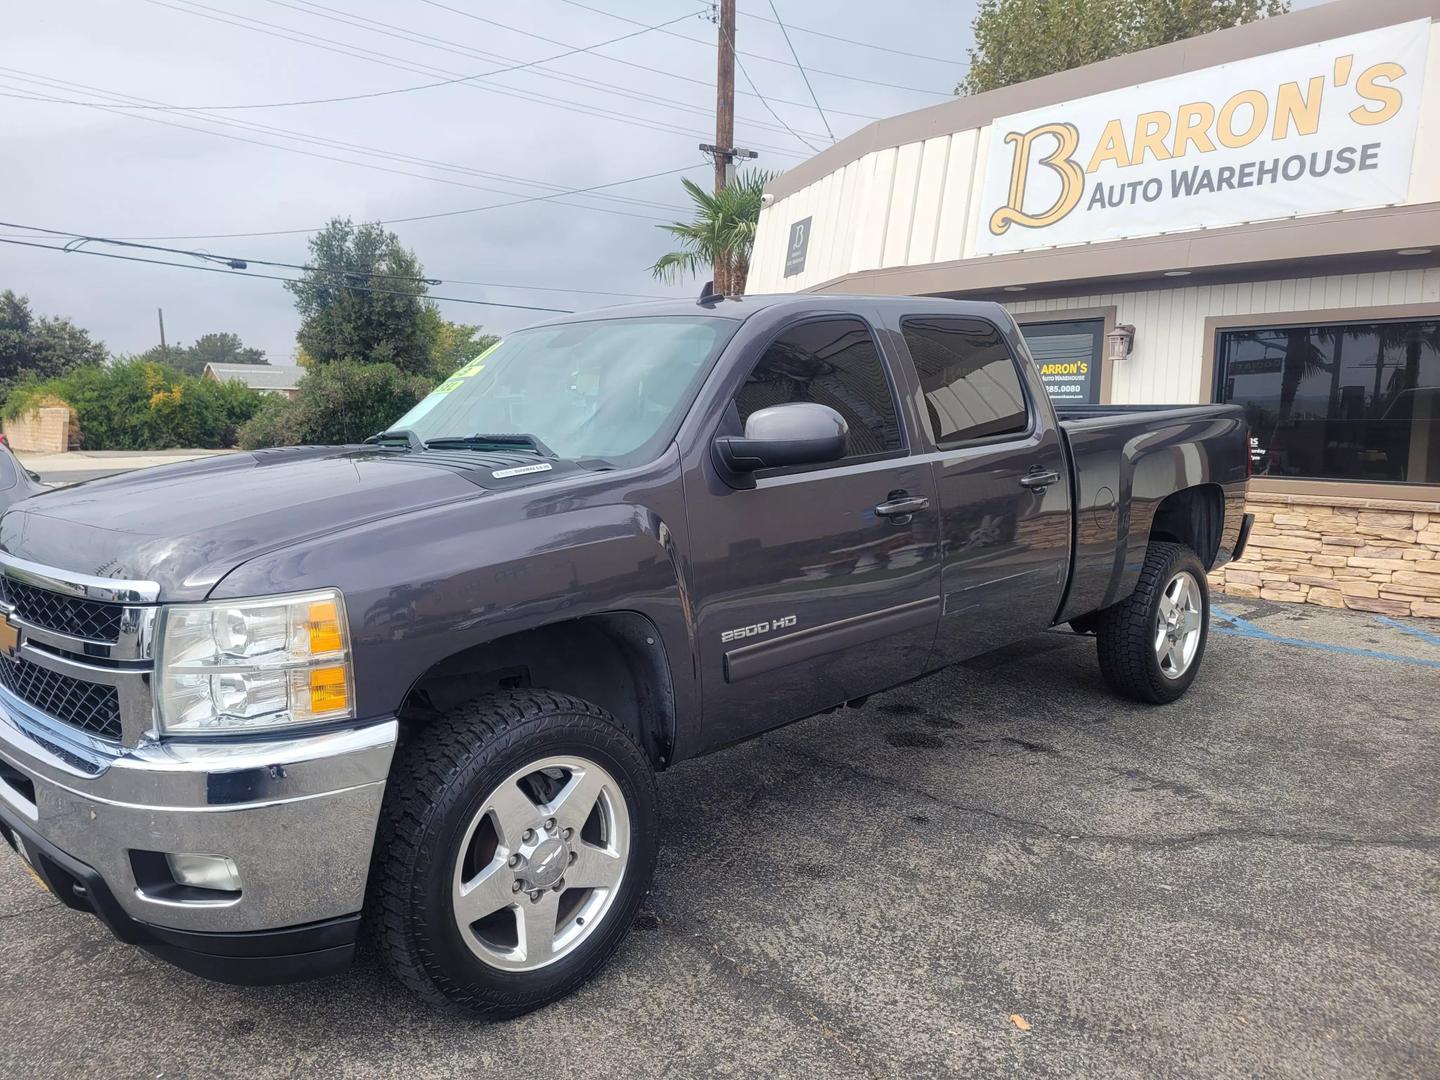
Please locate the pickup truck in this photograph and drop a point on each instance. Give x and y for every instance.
(415, 693)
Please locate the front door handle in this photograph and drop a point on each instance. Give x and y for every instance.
(1039, 481)
(899, 506)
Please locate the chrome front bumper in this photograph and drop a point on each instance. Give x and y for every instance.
(296, 816)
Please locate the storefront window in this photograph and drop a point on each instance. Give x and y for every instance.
(1349, 401)
(1068, 354)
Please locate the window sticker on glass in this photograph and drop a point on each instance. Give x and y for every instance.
(474, 367)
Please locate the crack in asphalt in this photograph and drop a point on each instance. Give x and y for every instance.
(745, 971)
(1201, 836)
(28, 911)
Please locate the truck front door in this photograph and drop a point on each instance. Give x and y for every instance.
(1001, 475)
(809, 593)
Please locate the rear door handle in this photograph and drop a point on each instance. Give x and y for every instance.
(899, 507)
(1038, 481)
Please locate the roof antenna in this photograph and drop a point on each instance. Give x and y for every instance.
(708, 295)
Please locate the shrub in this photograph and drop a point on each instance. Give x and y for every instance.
(137, 405)
(338, 402)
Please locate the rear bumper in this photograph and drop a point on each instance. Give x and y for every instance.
(1244, 538)
(257, 957)
(296, 817)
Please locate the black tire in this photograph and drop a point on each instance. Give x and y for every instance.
(438, 784)
(1126, 631)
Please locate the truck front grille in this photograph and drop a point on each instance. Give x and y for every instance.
(89, 619)
(80, 704)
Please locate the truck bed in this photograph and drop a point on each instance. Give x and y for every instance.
(1124, 460)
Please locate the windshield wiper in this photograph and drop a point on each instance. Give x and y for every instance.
(405, 435)
(525, 442)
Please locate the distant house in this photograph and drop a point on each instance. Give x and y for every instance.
(266, 378)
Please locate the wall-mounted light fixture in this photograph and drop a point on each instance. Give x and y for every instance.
(1120, 341)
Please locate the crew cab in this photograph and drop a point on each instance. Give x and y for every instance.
(255, 705)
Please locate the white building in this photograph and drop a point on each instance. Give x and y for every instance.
(1250, 216)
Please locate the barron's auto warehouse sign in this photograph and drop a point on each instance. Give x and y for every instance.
(1322, 127)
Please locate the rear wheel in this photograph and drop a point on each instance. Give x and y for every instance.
(1152, 643)
(517, 842)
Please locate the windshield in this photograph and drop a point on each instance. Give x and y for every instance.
(610, 389)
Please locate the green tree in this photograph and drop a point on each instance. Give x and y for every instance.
(1017, 40)
(37, 347)
(223, 348)
(338, 402)
(364, 300)
(455, 344)
(719, 238)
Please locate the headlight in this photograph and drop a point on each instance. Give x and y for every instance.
(247, 665)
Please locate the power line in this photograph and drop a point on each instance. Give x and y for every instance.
(517, 66)
(766, 59)
(648, 69)
(803, 75)
(401, 33)
(123, 102)
(236, 262)
(744, 71)
(359, 52)
(278, 277)
(851, 41)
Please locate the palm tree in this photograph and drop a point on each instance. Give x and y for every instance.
(720, 236)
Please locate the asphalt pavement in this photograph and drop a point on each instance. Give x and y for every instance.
(997, 871)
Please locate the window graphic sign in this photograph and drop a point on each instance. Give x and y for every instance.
(1068, 356)
(1318, 128)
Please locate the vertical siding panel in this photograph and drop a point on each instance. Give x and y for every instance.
(955, 206)
(1431, 288)
(835, 236)
(822, 239)
(929, 195)
(873, 201)
(849, 195)
(977, 176)
(1287, 295)
(902, 204)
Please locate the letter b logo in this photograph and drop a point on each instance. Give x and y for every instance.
(1059, 161)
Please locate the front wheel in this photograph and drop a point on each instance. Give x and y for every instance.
(516, 843)
(1151, 643)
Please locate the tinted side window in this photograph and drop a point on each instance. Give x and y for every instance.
(832, 362)
(972, 390)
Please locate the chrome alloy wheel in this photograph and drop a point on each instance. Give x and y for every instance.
(541, 863)
(1177, 625)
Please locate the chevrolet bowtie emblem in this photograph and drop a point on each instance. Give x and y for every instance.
(9, 637)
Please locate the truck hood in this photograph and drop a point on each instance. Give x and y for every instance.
(186, 526)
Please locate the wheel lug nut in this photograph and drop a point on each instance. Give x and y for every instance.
(573, 856)
(529, 837)
(559, 885)
(535, 896)
(515, 886)
(567, 834)
(515, 859)
(550, 824)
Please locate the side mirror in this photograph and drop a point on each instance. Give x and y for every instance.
(800, 433)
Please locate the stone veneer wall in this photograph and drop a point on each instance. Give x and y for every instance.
(1364, 554)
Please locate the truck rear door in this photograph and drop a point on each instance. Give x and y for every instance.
(809, 591)
(1001, 477)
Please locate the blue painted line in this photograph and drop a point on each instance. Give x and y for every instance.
(1235, 626)
(1413, 631)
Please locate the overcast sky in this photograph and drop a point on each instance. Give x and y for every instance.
(494, 140)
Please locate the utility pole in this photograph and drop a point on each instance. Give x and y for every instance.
(164, 352)
(723, 149)
(724, 97)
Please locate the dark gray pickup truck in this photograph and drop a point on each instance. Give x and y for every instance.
(422, 686)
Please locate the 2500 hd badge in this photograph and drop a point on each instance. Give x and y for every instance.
(756, 629)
